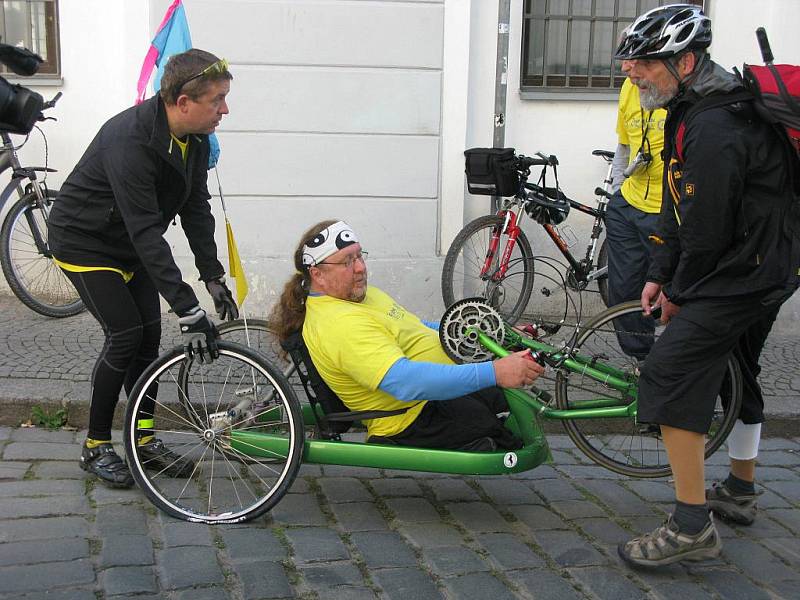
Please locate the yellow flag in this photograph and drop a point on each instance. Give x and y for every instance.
(235, 268)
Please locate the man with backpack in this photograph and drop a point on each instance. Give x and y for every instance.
(721, 268)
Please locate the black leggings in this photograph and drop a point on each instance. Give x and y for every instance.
(130, 315)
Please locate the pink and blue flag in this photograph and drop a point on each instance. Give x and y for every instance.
(172, 37)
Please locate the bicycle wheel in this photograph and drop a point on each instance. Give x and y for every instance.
(461, 275)
(256, 335)
(621, 444)
(243, 448)
(28, 267)
(602, 282)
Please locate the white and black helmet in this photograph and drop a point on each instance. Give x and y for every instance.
(666, 31)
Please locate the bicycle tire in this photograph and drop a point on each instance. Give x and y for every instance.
(602, 282)
(257, 335)
(33, 277)
(228, 482)
(462, 266)
(622, 445)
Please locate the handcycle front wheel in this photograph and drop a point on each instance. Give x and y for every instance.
(27, 264)
(623, 445)
(239, 454)
(461, 274)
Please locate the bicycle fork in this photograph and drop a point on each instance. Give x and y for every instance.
(511, 228)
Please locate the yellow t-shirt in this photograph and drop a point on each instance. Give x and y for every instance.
(643, 188)
(353, 345)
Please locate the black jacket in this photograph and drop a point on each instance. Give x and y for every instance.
(131, 182)
(720, 230)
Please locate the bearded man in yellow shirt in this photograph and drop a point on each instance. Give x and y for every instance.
(378, 356)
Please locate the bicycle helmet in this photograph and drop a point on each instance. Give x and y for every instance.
(665, 32)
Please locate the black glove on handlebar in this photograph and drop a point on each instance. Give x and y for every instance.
(199, 335)
(223, 299)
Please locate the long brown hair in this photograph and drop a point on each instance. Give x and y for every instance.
(289, 312)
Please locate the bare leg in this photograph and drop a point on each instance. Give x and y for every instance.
(685, 450)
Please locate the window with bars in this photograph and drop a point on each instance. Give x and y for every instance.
(568, 45)
(34, 25)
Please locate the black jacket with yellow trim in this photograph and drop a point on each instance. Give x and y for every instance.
(720, 228)
(128, 186)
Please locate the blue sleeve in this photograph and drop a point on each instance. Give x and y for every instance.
(432, 324)
(409, 380)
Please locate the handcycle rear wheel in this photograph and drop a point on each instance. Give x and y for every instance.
(231, 475)
(621, 444)
(31, 273)
(461, 275)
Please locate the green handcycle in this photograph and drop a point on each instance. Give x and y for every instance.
(240, 426)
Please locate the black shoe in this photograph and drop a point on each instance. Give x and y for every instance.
(736, 508)
(484, 444)
(105, 464)
(156, 456)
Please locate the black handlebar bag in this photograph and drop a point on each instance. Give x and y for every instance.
(491, 171)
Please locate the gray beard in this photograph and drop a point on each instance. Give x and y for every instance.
(651, 98)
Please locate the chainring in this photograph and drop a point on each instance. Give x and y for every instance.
(460, 324)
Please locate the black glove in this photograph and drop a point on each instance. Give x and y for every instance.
(199, 335)
(223, 299)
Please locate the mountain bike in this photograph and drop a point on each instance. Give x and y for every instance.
(491, 256)
(239, 421)
(25, 256)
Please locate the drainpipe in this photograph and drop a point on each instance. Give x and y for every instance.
(501, 81)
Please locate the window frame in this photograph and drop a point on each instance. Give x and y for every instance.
(50, 69)
(533, 91)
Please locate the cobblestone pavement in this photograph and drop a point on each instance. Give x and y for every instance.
(367, 533)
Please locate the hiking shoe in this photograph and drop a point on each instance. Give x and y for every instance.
(737, 508)
(156, 456)
(105, 464)
(667, 545)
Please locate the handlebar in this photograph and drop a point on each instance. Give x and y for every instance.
(52, 102)
(525, 162)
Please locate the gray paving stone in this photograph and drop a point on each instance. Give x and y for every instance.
(554, 490)
(129, 580)
(577, 509)
(545, 585)
(778, 443)
(479, 586)
(605, 531)
(789, 490)
(779, 458)
(787, 548)
(299, 509)
(652, 490)
(346, 471)
(539, 473)
(617, 498)
(43, 551)
(82, 593)
(344, 489)
(560, 442)
(789, 518)
(263, 579)
(454, 560)
(538, 517)
(211, 593)
(679, 590)
(300, 486)
(186, 534)
(762, 529)
(509, 552)
(43, 529)
(390, 488)
(401, 473)
(37, 434)
(13, 469)
(432, 535)
(347, 592)
(453, 490)
(568, 549)
(32, 489)
(315, 544)
(16, 508)
(189, 566)
(403, 584)
(31, 578)
(121, 520)
(5, 433)
(565, 457)
(58, 469)
(757, 562)
(250, 543)
(479, 517)
(332, 574)
(607, 583)
(39, 451)
(359, 516)
(776, 474)
(786, 590)
(413, 510)
(126, 550)
(383, 549)
(769, 499)
(505, 492)
(585, 472)
(731, 585)
(105, 496)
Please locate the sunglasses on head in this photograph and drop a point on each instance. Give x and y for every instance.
(215, 68)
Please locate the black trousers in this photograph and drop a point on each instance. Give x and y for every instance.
(130, 315)
(460, 422)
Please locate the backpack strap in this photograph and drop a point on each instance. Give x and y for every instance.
(714, 101)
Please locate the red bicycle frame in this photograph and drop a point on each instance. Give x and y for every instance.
(511, 228)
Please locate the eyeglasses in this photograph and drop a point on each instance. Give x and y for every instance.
(351, 260)
(215, 68)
